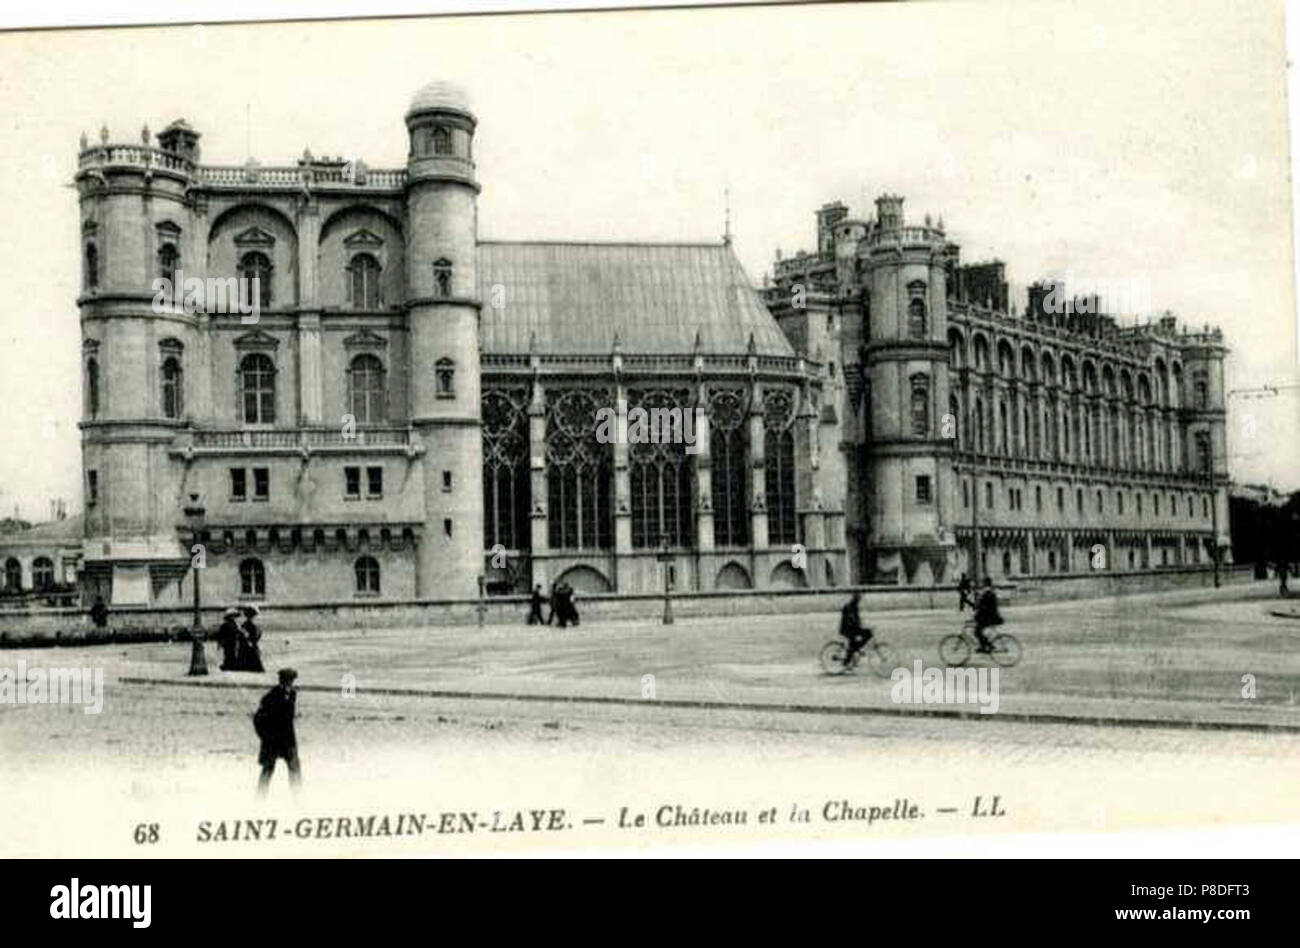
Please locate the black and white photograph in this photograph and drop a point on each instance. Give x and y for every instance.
(838, 429)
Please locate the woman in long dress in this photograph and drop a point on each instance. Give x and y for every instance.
(250, 654)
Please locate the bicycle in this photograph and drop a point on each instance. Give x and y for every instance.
(956, 650)
(881, 658)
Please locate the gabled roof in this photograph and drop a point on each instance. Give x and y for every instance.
(656, 297)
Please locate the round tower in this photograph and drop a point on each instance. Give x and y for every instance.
(911, 537)
(443, 311)
(136, 227)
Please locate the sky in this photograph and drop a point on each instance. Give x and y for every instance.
(1128, 142)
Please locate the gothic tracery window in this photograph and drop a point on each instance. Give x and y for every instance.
(778, 459)
(729, 459)
(578, 471)
(506, 479)
(659, 470)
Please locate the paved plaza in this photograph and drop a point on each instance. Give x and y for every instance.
(732, 703)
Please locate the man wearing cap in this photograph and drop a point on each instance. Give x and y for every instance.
(274, 725)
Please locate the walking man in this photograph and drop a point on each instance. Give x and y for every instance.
(964, 589)
(274, 725)
(535, 616)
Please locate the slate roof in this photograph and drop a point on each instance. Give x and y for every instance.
(576, 296)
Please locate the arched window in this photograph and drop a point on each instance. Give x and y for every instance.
(729, 456)
(1200, 391)
(442, 277)
(256, 266)
(257, 389)
(1005, 428)
(778, 461)
(367, 570)
(445, 370)
(507, 487)
(441, 140)
(252, 578)
(92, 266)
(579, 471)
(367, 390)
(172, 387)
(92, 388)
(920, 406)
(954, 413)
(916, 318)
(42, 573)
(14, 575)
(168, 260)
(660, 474)
(364, 269)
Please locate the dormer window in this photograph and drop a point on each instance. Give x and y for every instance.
(442, 277)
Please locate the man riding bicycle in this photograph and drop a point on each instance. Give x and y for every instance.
(851, 628)
(986, 614)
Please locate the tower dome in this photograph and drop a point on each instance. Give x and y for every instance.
(439, 95)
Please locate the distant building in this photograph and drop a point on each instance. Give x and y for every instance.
(1042, 426)
(41, 561)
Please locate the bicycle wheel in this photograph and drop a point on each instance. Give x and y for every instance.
(1006, 649)
(881, 659)
(954, 650)
(832, 658)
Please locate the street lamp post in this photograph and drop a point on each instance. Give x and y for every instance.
(194, 514)
(666, 557)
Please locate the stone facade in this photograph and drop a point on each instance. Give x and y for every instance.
(399, 372)
(1045, 434)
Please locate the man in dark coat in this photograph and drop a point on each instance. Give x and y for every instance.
(560, 604)
(274, 725)
(227, 637)
(986, 614)
(964, 589)
(851, 627)
(535, 616)
(99, 612)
